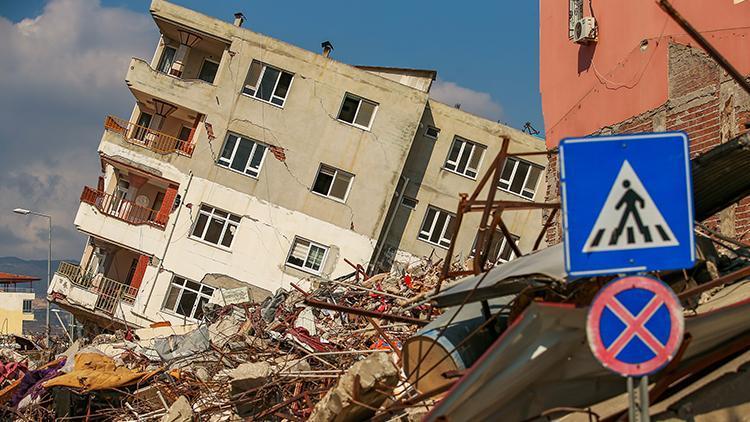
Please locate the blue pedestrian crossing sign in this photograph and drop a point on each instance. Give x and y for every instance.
(627, 203)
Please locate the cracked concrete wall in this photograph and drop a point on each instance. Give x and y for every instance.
(432, 185)
(705, 103)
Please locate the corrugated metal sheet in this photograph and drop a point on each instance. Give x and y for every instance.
(721, 176)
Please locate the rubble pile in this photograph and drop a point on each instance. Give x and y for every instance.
(332, 353)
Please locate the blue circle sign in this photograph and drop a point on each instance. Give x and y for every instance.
(635, 325)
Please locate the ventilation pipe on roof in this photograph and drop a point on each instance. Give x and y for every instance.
(327, 48)
(239, 19)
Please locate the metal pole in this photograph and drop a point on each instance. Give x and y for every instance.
(49, 275)
(631, 400)
(644, 400)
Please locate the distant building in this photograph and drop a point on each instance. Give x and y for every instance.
(250, 162)
(16, 297)
(613, 67)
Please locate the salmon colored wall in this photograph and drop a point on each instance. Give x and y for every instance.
(585, 88)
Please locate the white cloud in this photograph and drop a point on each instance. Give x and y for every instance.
(475, 102)
(62, 72)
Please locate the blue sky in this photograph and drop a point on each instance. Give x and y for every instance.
(485, 46)
(64, 62)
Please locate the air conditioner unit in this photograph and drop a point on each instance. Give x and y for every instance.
(585, 31)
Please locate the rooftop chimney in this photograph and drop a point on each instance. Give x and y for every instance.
(327, 48)
(239, 19)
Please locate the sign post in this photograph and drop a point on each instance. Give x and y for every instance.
(628, 209)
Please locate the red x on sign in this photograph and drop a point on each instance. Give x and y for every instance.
(639, 336)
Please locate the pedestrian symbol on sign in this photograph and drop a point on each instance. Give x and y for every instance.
(629, 218)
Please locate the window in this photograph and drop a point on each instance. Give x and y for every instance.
(186, 297)
(306, 255)
(437, 227)
(500, 250)
(520, 177)
(357, 111)
(465, 157)
(431, 132)
(267, 83)
(208, 71)
(167, 58)
(332, 182)
(27, 308)
(184, 133)
(409, 202)
(216, 226)
(242, 155)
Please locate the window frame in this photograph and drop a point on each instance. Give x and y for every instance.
(475, 145)
(503, 244)
(275, 85)
(31, 306)
(442, 237)
(325, 248)
(183, 287)
(509, 181)
(227, 222)
(206, 59)
(228, 166)
(336, 173)
(428, 136)
(160, 63)
(356, 112)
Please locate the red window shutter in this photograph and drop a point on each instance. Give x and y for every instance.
(140, 270)
(166, 206)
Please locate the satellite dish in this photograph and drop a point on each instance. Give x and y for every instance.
(142, 201)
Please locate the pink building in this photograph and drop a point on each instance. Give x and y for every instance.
(633, 69)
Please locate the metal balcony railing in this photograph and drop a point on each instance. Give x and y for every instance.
(154, 140)
(123, 209)
(109, 292)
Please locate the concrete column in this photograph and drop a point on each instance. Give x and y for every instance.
(180, 57)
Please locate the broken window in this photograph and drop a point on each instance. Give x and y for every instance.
(267, 83)
(306, 255)
(464, 157)
(208, 71)
(243, 155)
(500, 250)
(216, 226)
(520, 177)
(431, 132)
(357, 111)
(186, 297)
(437, 227)
(332, 182)
(167, 57)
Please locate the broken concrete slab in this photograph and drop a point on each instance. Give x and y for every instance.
(180, 411)
(363, 380)
(247, 377)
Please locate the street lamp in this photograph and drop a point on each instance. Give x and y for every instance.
(24, 211)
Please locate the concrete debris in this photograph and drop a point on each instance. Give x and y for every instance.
(272, 360)
(364, 386)
(180, 411)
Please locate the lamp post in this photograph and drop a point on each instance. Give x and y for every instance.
(23, 211)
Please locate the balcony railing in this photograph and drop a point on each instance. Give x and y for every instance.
(122, 209)
(154, 140)
(109, 292)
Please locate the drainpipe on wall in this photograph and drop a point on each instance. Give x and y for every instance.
(166, 248)
(389, 224)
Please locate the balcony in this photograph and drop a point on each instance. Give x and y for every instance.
(93, 291)
(158, 142)
(147, 83)
(123, 209)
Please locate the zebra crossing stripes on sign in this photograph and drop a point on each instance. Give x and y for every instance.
(629, 218)
(627, 203)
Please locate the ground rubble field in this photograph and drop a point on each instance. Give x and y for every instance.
(277, 360)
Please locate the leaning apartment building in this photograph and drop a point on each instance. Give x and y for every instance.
(249, 162)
